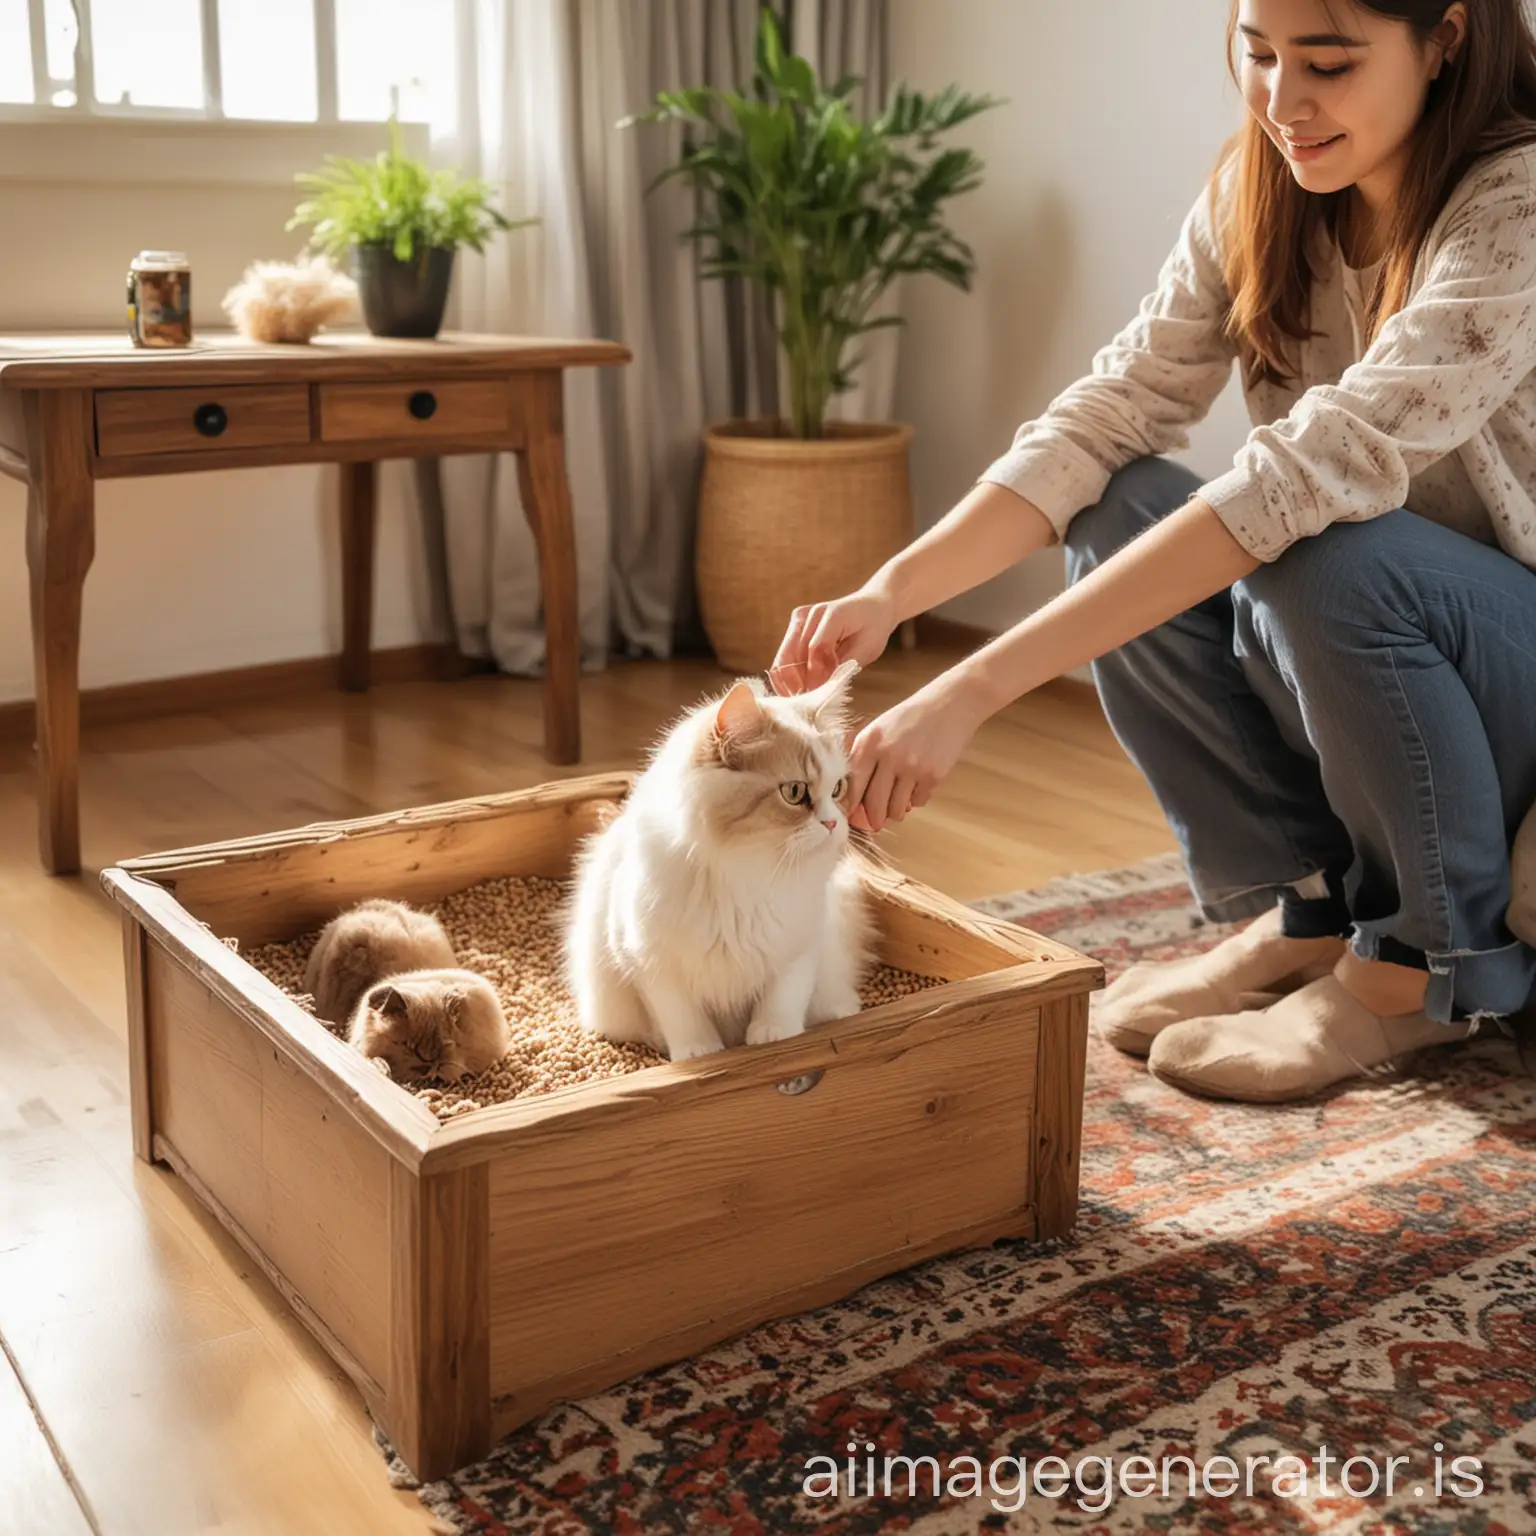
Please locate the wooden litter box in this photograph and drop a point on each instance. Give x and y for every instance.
(468, 1274)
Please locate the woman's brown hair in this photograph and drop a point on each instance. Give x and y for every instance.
(1483, 100)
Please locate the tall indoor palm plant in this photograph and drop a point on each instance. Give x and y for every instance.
(821, 208)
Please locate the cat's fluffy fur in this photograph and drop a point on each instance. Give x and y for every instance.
(714, 911)
(444, 1024)
(389, 973)
(365, 944)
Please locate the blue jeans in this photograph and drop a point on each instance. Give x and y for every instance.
(1350, 731)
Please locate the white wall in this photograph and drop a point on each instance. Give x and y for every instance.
(1116, 112)
(193, 573)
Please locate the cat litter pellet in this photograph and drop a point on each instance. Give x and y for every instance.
(510, 931)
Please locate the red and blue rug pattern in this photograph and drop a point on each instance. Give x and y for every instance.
(1272, 1290)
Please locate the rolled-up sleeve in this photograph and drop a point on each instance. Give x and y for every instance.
(1439, 369)
(1155, 380)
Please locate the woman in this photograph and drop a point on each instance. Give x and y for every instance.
(1324, 661)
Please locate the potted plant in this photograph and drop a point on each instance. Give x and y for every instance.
(399, 223)
(824, 209)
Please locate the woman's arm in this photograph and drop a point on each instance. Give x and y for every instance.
(1181, 561)
(985, 534)
(991, 530)
(1177, 563)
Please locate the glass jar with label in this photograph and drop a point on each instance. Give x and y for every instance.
(160, 299)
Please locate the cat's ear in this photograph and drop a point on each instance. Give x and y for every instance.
(387, 1000)
(739, 719)
(828, 704)
(453, 1008)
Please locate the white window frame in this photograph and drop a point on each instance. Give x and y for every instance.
(94, 141)
(42, 109)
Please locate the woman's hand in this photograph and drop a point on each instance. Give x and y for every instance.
(901, 757)
(823, 635)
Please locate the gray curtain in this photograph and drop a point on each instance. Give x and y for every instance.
(542, 85)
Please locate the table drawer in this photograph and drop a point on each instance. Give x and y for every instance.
(141, 421)
(414, 410)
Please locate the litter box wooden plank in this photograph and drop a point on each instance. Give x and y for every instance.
(931, 934)
(1060, 1072)
(439, 1415)
(726, 1199)
(368, 1385)
(290, 1167)
(527, 1402)
(637, 1097)
(398, 1121)
(135, 954)
(262, 890)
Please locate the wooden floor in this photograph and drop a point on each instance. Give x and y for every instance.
(153, 1380)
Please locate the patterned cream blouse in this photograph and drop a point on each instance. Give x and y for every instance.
(1438, 414)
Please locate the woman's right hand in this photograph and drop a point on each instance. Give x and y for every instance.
(823, 635)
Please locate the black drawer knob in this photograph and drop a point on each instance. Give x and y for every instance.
(422, 405)
(210, 419)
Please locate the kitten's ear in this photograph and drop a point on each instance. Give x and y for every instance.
(453, 1008)
(828, 703)
(738, 719)
(387, 1000)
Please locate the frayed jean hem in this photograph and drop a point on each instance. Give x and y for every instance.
(1466, 985)
(1238, 906)
(1302, 917)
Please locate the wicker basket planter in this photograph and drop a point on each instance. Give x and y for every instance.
(785, 521)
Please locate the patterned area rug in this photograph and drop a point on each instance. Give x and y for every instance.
(1252, 1298)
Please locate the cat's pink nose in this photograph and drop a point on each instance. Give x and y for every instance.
(831, 826)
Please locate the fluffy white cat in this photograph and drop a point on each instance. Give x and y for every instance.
(722, 905)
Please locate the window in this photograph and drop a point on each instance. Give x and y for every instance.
(292, 61)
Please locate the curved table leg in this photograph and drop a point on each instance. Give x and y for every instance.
(547, 503)
(358, 522)
(61, 542)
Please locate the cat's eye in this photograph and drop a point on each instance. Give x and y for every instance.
(796, 793)
(839, 789)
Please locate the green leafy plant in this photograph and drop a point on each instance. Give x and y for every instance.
(395, 200)
(820, 207)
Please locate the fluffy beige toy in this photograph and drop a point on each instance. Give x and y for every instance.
(289, 301)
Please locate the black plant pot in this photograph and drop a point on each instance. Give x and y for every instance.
(402, 298)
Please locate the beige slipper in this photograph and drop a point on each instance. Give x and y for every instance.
(1299, 1046)
(1249, 970)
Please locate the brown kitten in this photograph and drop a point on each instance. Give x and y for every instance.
(365, 944)
(446, 1024)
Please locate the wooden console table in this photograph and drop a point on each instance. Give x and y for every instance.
(77, 409)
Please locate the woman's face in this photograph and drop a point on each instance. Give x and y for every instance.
(1338, 88)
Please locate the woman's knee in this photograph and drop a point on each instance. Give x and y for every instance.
(1325, 594)
(1141, 494)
